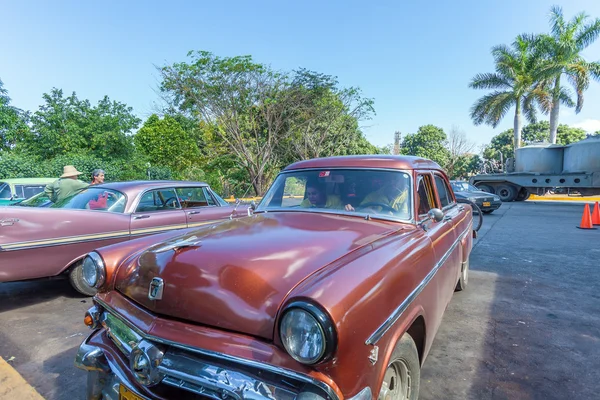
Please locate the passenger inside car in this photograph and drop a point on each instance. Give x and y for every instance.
(316, 196)
(391, 196)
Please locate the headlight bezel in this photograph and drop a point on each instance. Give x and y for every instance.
(99, 269)
(325, 324)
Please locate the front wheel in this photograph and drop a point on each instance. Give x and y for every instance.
(77, 281)
(402, 377)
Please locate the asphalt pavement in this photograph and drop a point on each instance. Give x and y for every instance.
(527, 327)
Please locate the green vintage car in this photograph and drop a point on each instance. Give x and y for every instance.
(18, 189)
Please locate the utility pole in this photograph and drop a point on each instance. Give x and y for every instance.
(397, 136)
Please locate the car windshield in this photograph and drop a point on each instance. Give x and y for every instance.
(38, 200)
(378, 193)
(463, 187)
(5, 191)
(94, 198)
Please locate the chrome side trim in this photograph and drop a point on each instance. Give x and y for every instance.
(225, 357)
(393, 318)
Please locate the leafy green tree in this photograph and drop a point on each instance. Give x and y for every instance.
(563, 48)
(429, 142)
(67, 125)
(465, 166)
(328, 122)
(13, 122)
(516, 83)
(165, 143)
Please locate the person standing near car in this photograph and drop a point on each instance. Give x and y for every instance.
(97, 176)
(67, 185)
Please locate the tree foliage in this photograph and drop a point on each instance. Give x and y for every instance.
(68, 125)
(165, 143)
(13, 122)
(429, 142)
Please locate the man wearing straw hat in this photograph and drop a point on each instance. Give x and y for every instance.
(66, 185)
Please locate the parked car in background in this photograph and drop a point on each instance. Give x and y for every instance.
(335, 294)
(51, 239)
(17, 189)
(487, 202)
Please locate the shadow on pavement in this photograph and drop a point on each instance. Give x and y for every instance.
(14, 295)
(528, 326)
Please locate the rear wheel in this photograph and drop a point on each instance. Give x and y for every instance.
(403, 374)
(523, 195)
(464, 277)
(506, 193)
(486, 188)
(77, 281)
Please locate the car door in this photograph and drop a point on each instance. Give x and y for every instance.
(158, 210)
(454, 218)
(200, 206)
(442, 237)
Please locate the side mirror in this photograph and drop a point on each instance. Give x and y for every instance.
(436, 214)
(251, 208)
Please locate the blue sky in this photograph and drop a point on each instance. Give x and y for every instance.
(414, 58)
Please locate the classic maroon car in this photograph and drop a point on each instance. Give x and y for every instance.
(48, 241)
(333, 294)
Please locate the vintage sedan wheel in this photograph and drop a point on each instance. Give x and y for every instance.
(464, 277)
(403, 374)
(77, 281)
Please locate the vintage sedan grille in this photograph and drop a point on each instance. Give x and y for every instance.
(210, 377)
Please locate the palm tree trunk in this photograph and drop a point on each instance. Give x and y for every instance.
(518, 125)
(555, 110)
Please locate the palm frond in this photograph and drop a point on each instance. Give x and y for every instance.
(594, 69)
(529, 108)
(557, 21)
(490, 81)
(588, 34)
(566, 97)
(579, 77)
(491, 108)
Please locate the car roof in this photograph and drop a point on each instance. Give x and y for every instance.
(18, 181)
(128, 186)
(367, 161)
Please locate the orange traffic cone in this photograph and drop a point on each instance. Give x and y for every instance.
(596, 215)
(586, 219)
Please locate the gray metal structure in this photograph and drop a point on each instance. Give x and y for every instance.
(542, 167)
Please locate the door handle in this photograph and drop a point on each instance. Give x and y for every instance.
(447, 218)
(193, 212)
(141, 217)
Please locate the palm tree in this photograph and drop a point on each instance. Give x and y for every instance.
(563, 49)
(518, 81)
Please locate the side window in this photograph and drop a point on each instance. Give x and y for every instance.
(5, 191)
(443, 191)
(209, 199)
(425, 194)
(193, 197)
(158, 200)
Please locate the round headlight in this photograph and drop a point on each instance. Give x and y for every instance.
(307, 333)
(94, 271)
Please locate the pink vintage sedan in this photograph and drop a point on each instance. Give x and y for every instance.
(333, 289)
(38, 242)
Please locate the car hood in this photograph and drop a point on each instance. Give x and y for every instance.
(236, 275)
(476, 194)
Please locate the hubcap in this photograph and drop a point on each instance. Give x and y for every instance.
(396, 382)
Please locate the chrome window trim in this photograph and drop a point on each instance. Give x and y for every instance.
(395, 316)
(233, 359)
(408, 172)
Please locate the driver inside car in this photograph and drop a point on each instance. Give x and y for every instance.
(393, 194)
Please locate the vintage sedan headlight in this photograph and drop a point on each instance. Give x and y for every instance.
(472, 199)
(307, 333)
(496, 198)
(94, 270)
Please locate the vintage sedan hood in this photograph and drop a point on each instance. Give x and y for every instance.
(239, 273)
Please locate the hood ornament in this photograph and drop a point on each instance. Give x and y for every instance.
(155, 291)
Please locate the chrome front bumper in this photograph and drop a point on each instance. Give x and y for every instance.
(104, 378)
